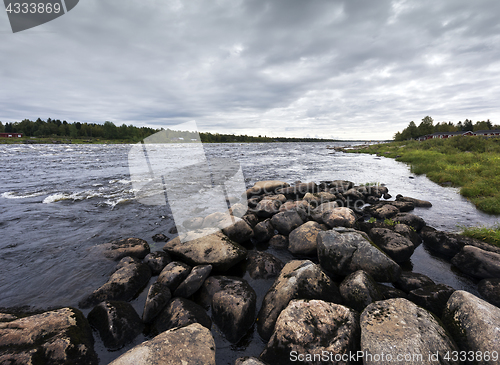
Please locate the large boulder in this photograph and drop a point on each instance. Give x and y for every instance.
(180, 312)
(418, 203)
(173, 274)
(444, 243)
(123, 285)
(158, 297)
(409, 281)
(358, 290)
(194, 281)
(382, 211)
(342, 251)
(339, 217)
(317, 213)
(239, 232)
(60, 336)
(265, 187)
(233, 310)
(192, 344)
(266, 208)
(263, 231)
(432, 297)
(134, 247)
(398, 248)
(477, 263)
(157, 261)
(263, 265)
(490, 290)
(285, 222)
(410, 220)
(302, 240)
(215, 249)
(299, 279)
(117, 323)
(307, 329)
(474, 324)
(279, 241)
(408, 232)
(404, 333)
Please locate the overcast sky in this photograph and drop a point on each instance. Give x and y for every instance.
(332, 69)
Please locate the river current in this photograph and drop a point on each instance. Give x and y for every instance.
(58, 203)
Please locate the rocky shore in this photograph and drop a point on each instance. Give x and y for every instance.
(343, 298)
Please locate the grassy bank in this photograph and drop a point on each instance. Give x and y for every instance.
(486, 234)
(471, 163)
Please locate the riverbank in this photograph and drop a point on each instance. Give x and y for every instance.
(470, 163)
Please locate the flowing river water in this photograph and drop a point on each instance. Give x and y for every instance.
(58, 203)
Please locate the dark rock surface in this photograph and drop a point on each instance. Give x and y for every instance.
(409, 281)
(358, 290)
(285, 222)
(173, 274)
(158, 297)
(239, 232)
(263, 231)
(193, 281)
(410, 220)
(134, 247)
(263, 265)
(432, 297)
(398, 248)
(180, 312)
(477, 263)
(302, 240)
(490, 290)
(279, 241)
(157, 261)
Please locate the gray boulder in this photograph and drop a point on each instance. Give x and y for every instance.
(157, 261)
(339, 217)
(60, 336)
(408, 232)
(382, 211)
(158, 297)
(418, 203)
(397, 327)
(123, 285)
(233, 310)
(358, 290)
(343, 251)
(432, 297)
(444, 243)
(117, 323)
(490, 290)
(215, 249)
(299, 279)
(473, 323)
(214, 284)
(173, 274)
(263, 265)
(477, 263)
(263, 231)
(287, 221)
(302, 240)
(266, 208)
(317, 213)
(398, 248)
(239, 232)
(409, 281)
(180, 312)
(134, 247)
(193, 282)
(309, 327)
(410, 220)
(192, 344)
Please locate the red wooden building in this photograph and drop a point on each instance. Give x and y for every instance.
(11, 135)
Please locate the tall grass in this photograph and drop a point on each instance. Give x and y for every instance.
(471, 163)
(486, 234)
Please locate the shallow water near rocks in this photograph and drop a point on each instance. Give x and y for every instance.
(58, 203)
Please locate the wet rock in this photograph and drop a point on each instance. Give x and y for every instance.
(180, 312)
(388, 292)
(214, 284)
(302, 240)
(354, 194)
(299, 279)
(253, 201)
(477, 263)
(159, 237)
(382, 211)
(126, 261)
(340, 185)
(342, 251)
(408, 232)
(194, 281)
(312, 327)
(173, 230)
(398, 327)
(215, 249)
(317, 213)
(60, 336)
(246, 360)
(239, 232)
(134, 247)
(264, 187)
(251, 219)
(417, 202)
(117, 323)
(279, 241)
(285, 222)
(398, 248)
(123, 285)
(263, 265)
(410, 220)
(173, 274)
(298, 190)
(157, 261)
(473, 323)
(358, 290)
(192, 344)
(432, 297)
(266, 208)
(402, 206)
(447, 244)
(409, 281)
(158, 297)
(263, 231)
(233, 310)
(301, 207)
(339, 217)
(490, 290)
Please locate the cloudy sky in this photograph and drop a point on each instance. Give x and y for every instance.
(321, 68)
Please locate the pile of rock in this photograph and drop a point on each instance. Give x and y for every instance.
(343, 299)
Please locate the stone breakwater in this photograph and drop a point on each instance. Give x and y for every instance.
(342, 299)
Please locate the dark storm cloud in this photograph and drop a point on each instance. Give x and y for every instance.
(282, 67)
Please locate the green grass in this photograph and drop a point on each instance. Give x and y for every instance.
(490, 235)
(471, 163)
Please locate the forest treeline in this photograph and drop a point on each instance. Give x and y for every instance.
(427, 126)
(56, 128)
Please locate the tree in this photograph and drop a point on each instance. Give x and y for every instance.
(110, 130)
(426, 127)
(413, 130)
(468, 125)
(2, 128)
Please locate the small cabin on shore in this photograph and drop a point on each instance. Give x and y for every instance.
(11, 135)
(491, 132)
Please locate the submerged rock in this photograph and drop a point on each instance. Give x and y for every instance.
(477, 263)
(180, 312)
(192, 344)
(312, 327)
(60, 336)
(134, 247)
(117, 323)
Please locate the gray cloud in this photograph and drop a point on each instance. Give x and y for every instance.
(282, 68)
